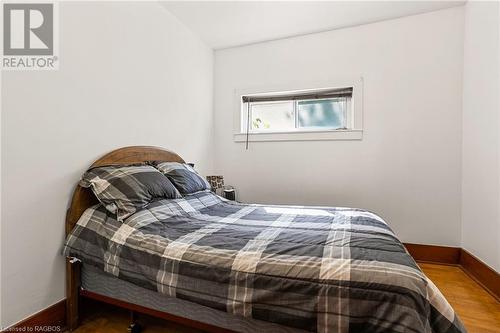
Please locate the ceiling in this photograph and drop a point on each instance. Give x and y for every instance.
(223, 24)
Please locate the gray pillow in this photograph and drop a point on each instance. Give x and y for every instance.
(124, 190)
(183, 176)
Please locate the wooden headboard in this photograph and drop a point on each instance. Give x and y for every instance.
(83, 198)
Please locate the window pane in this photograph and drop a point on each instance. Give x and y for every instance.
(272, 116)
(322, 113)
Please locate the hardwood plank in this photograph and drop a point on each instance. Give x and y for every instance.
(478, 310)
(479, 271)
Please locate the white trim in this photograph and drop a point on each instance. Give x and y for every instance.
(352, 134)
(355, 132)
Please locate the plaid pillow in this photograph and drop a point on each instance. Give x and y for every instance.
(123, 190)
(183, 176)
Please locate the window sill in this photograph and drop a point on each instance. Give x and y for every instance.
(352, 134)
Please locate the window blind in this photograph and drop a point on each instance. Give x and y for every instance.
(303, 95)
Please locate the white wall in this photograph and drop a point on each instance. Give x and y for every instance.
(406, 168)
(481, 127)
(127, 76)
(1, 199)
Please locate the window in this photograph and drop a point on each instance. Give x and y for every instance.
(298, 111)
(320, 114)
(313, 114)
(324, 113)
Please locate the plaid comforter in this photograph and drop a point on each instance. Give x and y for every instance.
(314, 268)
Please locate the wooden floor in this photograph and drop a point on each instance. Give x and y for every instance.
(479, 311)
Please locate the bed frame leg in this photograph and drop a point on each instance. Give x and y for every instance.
(134, 326)
(73, 266)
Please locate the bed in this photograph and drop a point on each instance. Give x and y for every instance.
(229, 267)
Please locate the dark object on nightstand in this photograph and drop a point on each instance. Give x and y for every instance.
(229, 194)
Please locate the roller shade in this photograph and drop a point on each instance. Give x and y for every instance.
(318, 94)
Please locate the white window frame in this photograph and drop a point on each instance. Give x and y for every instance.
(354, 117)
